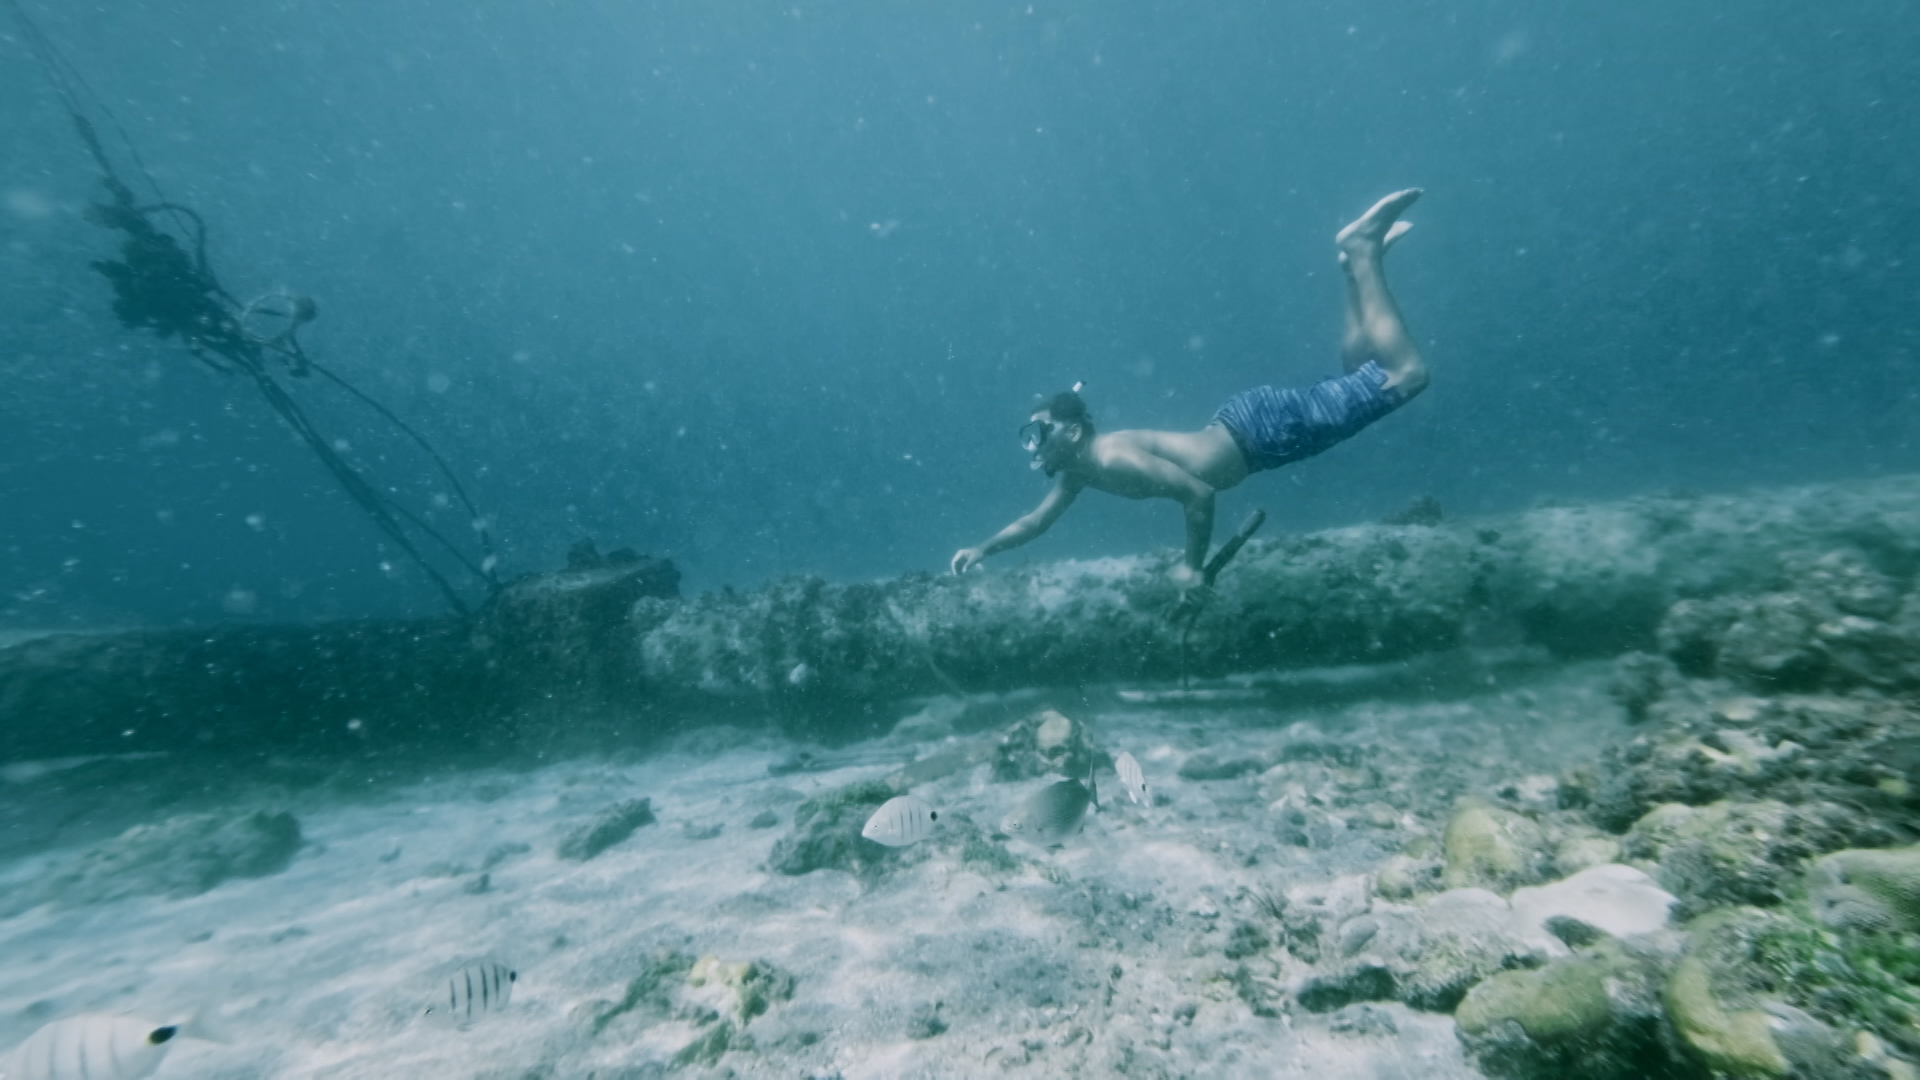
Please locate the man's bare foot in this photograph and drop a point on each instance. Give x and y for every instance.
(1398, 230)
(1378, 228)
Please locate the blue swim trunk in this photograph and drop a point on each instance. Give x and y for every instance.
(1275, 427)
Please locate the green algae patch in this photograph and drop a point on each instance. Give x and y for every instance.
(1736, 1044)
(650, 992)
(709, 1048)
(1869, 889)
(1595, 1015)
(1563, 1000)
(745, 989)
(1488, 847)
(987, 857)
(865, 793)
(1852, 980)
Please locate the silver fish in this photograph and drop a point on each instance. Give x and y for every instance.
(1052, 814)
(900, 821)
(1131, 778)
(92, 1046)
(473, 991)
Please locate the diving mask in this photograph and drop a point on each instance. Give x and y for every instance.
(1033, 434)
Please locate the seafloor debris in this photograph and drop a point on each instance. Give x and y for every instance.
(613, 825)
(826, 832)
(715, 1001)
(1045, 742)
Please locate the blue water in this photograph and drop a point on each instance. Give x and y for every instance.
(768, 290)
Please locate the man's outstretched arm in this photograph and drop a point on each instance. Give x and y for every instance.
(1026, 527)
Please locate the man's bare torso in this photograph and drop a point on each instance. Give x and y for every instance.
(1209, 455)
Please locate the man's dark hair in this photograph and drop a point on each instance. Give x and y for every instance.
(1066, 408)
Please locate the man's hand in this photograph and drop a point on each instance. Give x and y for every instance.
(966, 559)
(1194, 592)
(1185, 578)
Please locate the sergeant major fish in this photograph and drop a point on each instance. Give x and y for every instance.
(1055, 812)
(95, 1046)
(1131, 778)
(900, 821)
(472, 991)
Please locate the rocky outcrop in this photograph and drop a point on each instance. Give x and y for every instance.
(1579, 581)
(1805, 587)
(1427, 957)
(1734, 852)
(1595, 1015)
(1490, 847)
(547, 649)
(826, 832)
(1707, 743)
(1044, 743)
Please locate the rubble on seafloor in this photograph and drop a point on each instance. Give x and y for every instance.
(1766, 795)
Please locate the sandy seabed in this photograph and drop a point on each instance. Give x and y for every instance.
(1108, 956)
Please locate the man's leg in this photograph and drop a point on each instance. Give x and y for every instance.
(1374, 329)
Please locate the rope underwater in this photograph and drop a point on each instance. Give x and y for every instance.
(160, 286)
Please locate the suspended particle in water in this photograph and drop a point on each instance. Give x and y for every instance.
(1511, 46)
(28, 204)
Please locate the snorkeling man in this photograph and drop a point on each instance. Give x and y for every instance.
(1260, 429)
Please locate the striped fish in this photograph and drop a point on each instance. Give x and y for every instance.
(93, 1046)
(900, 821)
(473, 991)
(1131, 778)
